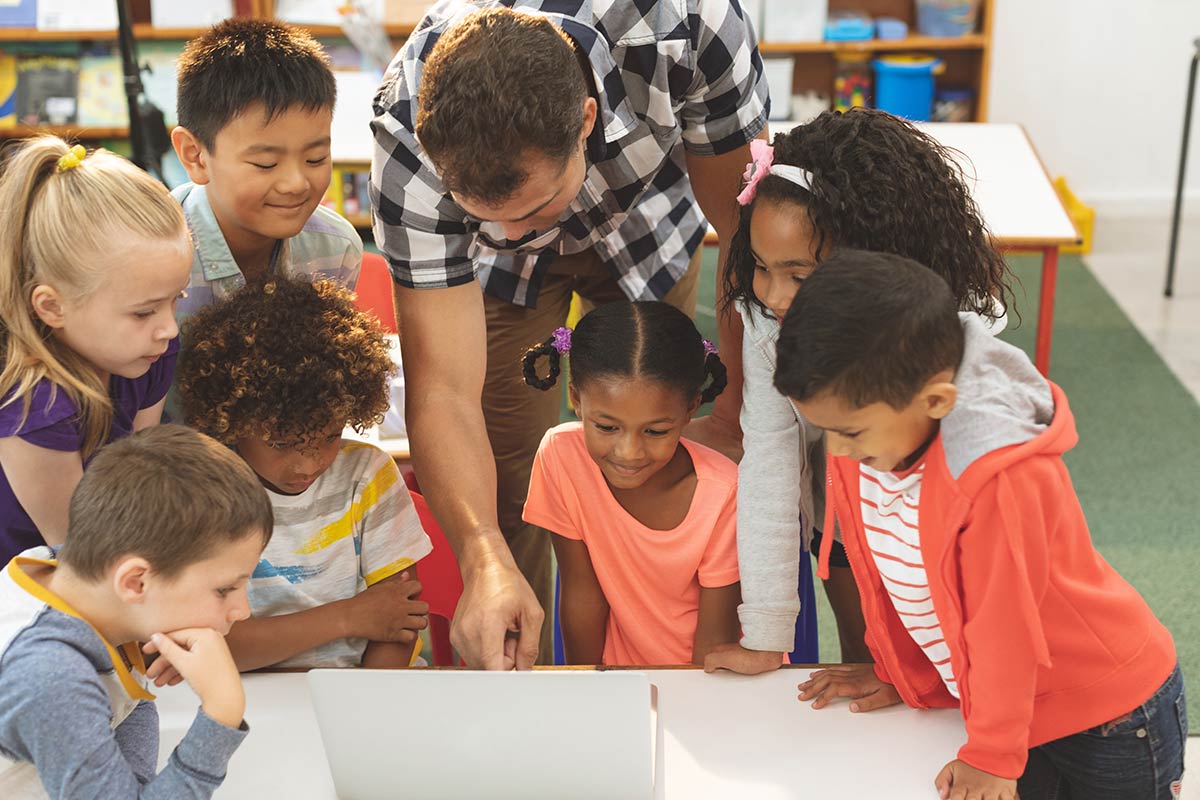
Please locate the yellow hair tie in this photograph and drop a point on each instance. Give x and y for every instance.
(72, 158)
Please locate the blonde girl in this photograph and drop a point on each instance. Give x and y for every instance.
(94, 254)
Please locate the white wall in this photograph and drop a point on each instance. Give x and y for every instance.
(1100, 86)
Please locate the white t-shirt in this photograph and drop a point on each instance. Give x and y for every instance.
(353, 527)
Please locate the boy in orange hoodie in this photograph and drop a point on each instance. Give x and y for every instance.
(980, 584)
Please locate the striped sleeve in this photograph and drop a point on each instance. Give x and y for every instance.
(390, 532)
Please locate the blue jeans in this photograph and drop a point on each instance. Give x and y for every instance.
(1138, 756)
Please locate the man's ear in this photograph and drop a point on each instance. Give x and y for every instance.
(48, 305)
(589, 119)
(192, 154)
(939, 395)
(129, 579)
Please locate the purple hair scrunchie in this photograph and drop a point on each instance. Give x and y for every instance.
(562, 340)
(710, 349)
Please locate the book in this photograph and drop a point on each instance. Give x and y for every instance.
(192, 14)
(71, 15)
(18, 13)
(102, 102)
(8, 91)
(47, 88)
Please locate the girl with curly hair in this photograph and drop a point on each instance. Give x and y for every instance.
(865, 180)
(642, 520)
(277, 371)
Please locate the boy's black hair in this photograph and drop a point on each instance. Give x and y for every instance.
(880, 184)
(648, 340)
(870, 328)
(283, 360)
(240, 62)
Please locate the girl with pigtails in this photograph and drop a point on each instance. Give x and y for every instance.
(643, 521)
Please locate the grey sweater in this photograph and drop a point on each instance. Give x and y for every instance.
(60, 695)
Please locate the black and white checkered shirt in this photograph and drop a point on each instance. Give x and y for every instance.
(672, 75)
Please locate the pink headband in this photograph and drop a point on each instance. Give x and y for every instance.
(762, 157)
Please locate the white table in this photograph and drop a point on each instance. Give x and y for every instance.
(722, 736)
(1016, 199)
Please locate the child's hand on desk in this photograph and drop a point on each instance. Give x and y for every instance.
(958, 780)
(387, 611)
(856, 681)
(201, 656)
(734, 657)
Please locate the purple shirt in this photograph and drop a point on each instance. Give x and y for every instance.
(55, 426)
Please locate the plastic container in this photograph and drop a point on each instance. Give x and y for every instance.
(904, 85)
(949, 18)
(952, 104)
(849, 26)
(889, 29)
(852, 82)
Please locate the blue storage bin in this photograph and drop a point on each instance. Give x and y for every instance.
(948, 18)
(904, 85)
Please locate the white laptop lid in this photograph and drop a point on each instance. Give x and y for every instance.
(469, 734)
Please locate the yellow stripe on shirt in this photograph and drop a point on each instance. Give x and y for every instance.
(383, 480)
(386, 572)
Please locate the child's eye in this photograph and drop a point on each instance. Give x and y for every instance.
(798, 280)
(264, 166)
(605, 428)
(143, 314)
(759, 267)
(316, 161)
(223, 593)
(652, 432)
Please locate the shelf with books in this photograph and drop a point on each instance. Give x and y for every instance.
(68, 132)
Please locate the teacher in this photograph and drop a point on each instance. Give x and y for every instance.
(523, 154)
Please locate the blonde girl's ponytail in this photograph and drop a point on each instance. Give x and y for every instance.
(67, 212)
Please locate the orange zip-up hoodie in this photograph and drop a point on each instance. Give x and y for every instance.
(1045, 638)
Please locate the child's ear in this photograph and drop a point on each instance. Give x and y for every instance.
(573, 397)
(589, 119)
(694, 407)
(939, 395)
(129, 579)
(192, 154)
(48, 305)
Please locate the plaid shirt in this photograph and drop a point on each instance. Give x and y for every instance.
(672, 76)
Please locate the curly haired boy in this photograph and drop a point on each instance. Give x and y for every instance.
(277, 372)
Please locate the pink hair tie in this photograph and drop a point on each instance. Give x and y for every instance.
(710, 349)
(562, 340)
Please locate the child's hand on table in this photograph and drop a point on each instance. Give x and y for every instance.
(201, 656)
(958, 780)
(387, 611)
(856, 681)
(734, 657)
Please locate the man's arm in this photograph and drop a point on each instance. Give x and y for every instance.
(716, 181)
(443, 344)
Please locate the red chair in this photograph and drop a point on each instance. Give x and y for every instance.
(374, 291)
(441, 582)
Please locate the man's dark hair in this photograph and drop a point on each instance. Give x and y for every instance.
(648, 340)
(879, 183)
(240, 62)
(168, 494)
(496, 86)
(868, 327)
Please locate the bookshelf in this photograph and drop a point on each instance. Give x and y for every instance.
(967, 58)
(69, 132)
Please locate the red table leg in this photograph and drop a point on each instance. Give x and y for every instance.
(1045, 327)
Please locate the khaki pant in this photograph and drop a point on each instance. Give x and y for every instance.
(517, 415)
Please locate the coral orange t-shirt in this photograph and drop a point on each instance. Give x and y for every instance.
(650, 578)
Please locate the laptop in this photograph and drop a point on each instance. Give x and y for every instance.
(471, 734)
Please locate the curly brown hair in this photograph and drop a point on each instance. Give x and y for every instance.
(879, 184)
(283, 360)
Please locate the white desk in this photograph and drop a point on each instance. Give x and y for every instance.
(721, 736)
(1015, 197)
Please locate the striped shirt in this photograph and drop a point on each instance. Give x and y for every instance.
(890, 505)
(353, 527)
(670, 77)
